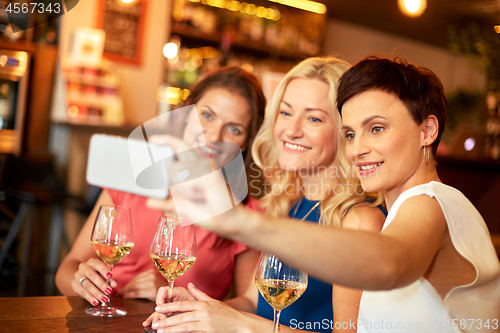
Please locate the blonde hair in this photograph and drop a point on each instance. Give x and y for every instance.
(265, 153)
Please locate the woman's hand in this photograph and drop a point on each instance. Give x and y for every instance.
(179, 294)
(207, 203)
(198, 191)
(94, 287)
(203, 315)
(143, 285)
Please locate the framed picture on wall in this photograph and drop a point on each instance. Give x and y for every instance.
(87, 46)
(123, 22)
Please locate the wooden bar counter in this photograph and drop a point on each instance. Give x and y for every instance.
(67, 314)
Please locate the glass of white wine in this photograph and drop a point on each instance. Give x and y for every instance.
(112, 238)
(173, 249)
(279, 284)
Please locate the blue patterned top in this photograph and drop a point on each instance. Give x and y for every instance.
(314, 307)
(313, 311)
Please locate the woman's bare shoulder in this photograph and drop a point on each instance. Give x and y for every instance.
(365, 217)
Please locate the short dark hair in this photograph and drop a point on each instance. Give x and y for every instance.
(417, 87)
(242, 82)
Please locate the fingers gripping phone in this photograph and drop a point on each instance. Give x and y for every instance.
(129, 165)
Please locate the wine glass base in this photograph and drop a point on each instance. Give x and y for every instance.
(106, 311)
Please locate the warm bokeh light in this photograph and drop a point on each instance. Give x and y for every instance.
(3, 60)
(73, 111)
(469, 144)
(127, 1)
(250, 8)
(184, 94)
(170, 50)
(260, 12)
(497, 29)
(173, 95)
(247, 66)
(308, 5)
(233, 5)
(412, 8)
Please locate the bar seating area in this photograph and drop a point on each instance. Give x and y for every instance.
(114, 67)
(33, 182)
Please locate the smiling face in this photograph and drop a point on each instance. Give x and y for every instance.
(304, 130)
(225, 117)
(383, 141)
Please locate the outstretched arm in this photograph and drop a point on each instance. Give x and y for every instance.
(394, 258)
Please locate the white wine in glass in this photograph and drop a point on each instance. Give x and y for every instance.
(173, 250)
(279, 284)
(112, 239)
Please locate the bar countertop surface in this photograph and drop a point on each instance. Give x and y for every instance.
(67, 314)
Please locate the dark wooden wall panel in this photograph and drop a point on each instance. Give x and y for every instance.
(479, 181)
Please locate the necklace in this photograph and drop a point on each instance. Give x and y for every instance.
(309, 212)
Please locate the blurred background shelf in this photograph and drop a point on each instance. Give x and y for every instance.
(193, 36)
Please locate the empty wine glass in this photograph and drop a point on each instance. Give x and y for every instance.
(112, 238)
(279, 284)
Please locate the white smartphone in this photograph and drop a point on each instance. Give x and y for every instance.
(129, 165)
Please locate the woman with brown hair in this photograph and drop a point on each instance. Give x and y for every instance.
(230, 105)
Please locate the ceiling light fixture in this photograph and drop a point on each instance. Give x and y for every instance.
(412, 8)
(308, 5)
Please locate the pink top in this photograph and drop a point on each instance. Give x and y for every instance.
(253, 204)
(213, 270)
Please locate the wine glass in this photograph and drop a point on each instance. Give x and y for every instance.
(279, 284)
(173, 249)
(112, 238)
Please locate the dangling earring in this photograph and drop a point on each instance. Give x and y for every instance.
(426, 153)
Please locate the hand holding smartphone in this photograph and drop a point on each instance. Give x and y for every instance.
(129, 165)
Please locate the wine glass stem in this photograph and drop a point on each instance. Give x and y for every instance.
(171, 288)
(108, 303)
(277, 314)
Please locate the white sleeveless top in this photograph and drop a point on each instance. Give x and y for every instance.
(418, 307)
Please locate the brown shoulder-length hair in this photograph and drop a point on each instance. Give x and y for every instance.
(417, 87)
(242, 82)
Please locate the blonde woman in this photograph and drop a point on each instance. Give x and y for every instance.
(300, 151)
